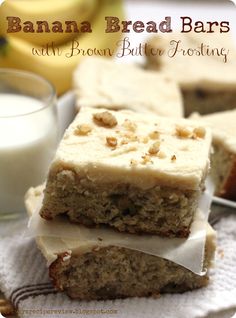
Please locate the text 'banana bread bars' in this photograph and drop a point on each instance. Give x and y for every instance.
(134, 172)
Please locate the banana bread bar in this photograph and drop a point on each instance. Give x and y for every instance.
(223, 159)
(100, 82)
(135, 172)
(96, 270)
(207, 81)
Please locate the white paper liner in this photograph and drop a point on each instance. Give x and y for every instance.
(186, 252)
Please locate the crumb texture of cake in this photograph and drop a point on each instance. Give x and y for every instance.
(223, 159)
(137, 173)
(114, 272)
(99, 82)
(122, 206)
(207, 82)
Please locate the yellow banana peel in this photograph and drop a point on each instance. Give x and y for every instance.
(17, 53)
(44, 10)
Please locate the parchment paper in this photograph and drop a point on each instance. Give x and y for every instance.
(186, 252)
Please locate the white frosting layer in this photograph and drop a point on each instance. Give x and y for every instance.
(197, 71)
(183, 162)
(224, 127)
(101, 82)
(60, 236)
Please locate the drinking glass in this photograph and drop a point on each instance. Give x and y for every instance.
(28, 136)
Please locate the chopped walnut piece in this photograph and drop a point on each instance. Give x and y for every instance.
(105, 119)
(154, 134)
(133, 162)
(153, 150)
(130, 136)
(124, 141)
(183, 132)
(146, 159)
(83, 130)
(161, 154)
(111, 141)
(173, 158)
(199, 132)
(128, 124)
(144, 140)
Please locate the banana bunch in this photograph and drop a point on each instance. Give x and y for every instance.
(56, 60)
(44, 10)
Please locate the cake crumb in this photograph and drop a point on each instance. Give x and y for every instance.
(173, 158)
(105, 119)
(83, 130)
(111, 141)
(221, 253)
(153, 150)
(199, 132)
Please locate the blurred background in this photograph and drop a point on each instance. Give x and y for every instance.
(16, 48)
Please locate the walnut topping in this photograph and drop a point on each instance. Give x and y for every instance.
(173, 158)
(105, 119)
(111, 141)
(124, 141)
(153, 150)
(146, 159)
(199, 132)
(144, 140)
(183, 132)
(133, 162)
(154, 135)
(83, 130)
(128, 124)
(129, 135)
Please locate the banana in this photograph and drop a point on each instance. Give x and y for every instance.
(49, 11)
(59, 69)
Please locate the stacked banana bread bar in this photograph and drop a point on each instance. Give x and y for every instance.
(130, 172)
(96, 270)
(136, 172)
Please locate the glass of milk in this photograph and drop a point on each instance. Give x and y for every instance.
(28, 136)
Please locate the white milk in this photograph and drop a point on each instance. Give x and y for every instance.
(28, 135)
